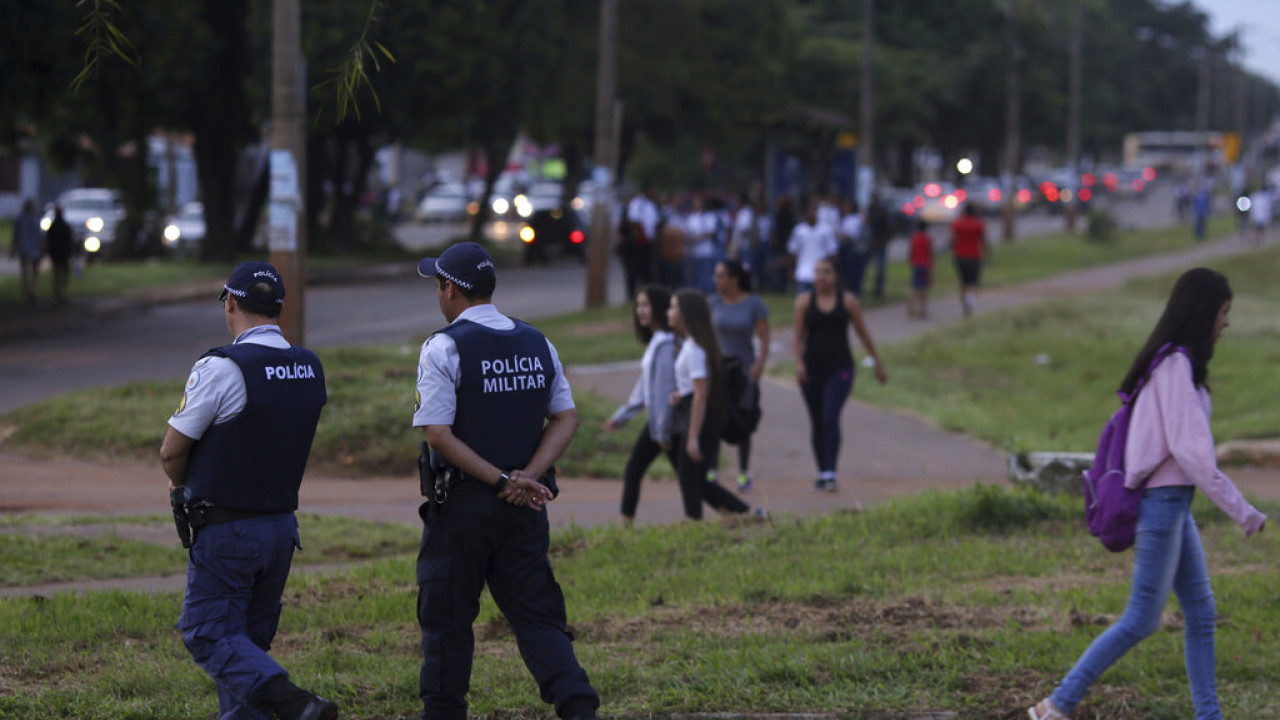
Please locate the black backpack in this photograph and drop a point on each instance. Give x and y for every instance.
(742, 402)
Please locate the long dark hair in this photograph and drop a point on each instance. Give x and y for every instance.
(1188, 321)
(696, 314)
(739, 274)
(659, 301)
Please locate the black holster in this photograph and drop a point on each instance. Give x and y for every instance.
(181, 518)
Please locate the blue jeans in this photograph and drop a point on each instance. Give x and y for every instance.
(1168, 555)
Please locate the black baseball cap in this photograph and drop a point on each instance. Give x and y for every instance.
(464, 264)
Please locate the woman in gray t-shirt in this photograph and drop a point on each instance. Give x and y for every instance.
(739, 315)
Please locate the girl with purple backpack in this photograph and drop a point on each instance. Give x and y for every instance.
(1169, 454)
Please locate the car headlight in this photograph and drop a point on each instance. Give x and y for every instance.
(500, 206)
(45, 223)
(172, 233)
(94, 224)
(92, 244)
(526, 234)
(524, 208)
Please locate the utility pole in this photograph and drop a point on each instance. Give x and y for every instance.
(866, 144)
(601, 238)
(1013, 89)
(1073, 110)
(1202, 117)
(287, 231)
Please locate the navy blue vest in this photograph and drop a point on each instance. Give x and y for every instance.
(503, 390)
(255, 460)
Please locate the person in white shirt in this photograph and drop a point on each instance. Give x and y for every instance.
(639, 234)
(808, 244)
(854, 247)
(1260, 209)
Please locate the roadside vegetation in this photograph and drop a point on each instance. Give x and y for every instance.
(1043, 376)
(40, 549)
(973, 602)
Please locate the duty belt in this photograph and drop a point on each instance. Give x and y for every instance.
(205, 515)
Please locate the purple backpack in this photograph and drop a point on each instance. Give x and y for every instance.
(1110, 508)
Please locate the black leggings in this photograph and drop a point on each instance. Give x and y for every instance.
(643, 453)
(825, 394)
(695, 486)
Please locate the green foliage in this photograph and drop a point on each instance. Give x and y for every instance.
(1101, 226)
(104, 39)
(347, 79)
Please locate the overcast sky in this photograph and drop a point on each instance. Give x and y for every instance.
(1260, 20)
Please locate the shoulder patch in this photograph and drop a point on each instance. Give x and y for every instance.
(193, 380)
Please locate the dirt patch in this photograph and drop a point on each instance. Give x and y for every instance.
(820, 620)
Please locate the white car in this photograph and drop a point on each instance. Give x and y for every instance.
(447, 202)
(92, 213)
(184, 231)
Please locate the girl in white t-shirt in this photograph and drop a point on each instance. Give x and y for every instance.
(699, 407)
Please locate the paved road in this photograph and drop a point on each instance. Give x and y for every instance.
(161, 341)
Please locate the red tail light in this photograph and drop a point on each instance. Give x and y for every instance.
(576, 237)
(1024, 195)
(1085, 194)
(1138, 185)
(1149, 174)
(994, 194)
(961, 195)
(932, 190)
(1088, 179)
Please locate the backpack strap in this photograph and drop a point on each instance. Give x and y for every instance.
(1165, 351)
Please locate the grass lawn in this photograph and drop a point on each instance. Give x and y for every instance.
(1042, 377)
(973, 602)
(38, 549)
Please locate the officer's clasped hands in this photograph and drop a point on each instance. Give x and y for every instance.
(524, 490)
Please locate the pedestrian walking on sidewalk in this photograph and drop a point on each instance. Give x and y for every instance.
(968, 246)
(28, 248)
(235, 451)
(651, 395)
(824, 362)
(921, 261)
(699, 402)
(59, 242)
(1169, 454)
(741, 316)
(497, 412)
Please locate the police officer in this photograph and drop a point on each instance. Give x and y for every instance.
(236, 449)
(495, 406)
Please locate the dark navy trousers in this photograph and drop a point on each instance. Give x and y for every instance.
(476, 538)
(236, 574)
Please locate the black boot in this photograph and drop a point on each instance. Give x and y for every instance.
(290, 702)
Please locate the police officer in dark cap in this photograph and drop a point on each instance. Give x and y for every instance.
(497, 413)
(235, 451)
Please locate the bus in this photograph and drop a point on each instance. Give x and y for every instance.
(1177, 152)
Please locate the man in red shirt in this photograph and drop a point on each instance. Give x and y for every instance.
(968, 242)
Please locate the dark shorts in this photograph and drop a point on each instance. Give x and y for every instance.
(970, 269)
(921, 277)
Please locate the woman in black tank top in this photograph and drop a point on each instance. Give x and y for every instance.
(824, 362)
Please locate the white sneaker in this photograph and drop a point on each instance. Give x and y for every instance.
(1045, 710)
